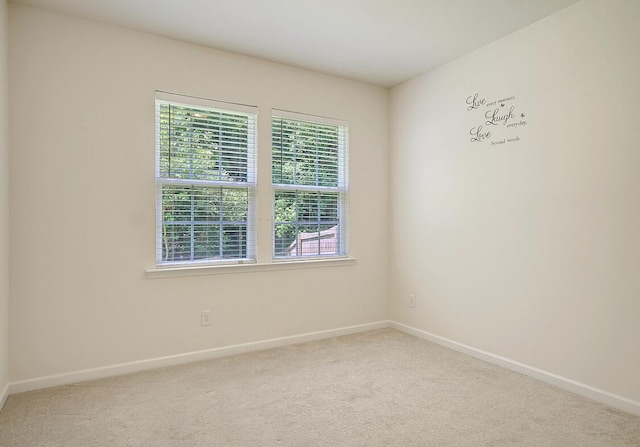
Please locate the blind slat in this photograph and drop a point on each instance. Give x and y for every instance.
(206, 181)
(309, 174)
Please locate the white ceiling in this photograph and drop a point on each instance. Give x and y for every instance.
(383, 42)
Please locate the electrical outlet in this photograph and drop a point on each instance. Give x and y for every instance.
(412, 300)
(205, 318)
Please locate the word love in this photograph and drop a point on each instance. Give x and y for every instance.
(477, 135)
(474, 102)
(494, 118)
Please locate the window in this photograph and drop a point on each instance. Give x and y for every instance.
(205, 181)
(309, 175)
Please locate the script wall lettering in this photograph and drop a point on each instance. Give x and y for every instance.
(498, 120)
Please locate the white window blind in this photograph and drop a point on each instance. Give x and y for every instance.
(310, 182)
(205, 178)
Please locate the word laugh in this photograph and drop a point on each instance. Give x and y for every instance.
(497, 117)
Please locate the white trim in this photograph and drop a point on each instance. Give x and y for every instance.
(178, 359)
(4, 394)
(251, 113)
(174, 272)
(342, 187)
(605, 397)
(308, 118)
(286, 187)
(214, 104)
(582, 389)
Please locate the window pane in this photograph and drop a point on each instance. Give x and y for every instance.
(235, 204)
(204, 153)
(312, 158)
(202, 144)
(234, 239)
(308, 240)
(285, 206)
(176, 242)
(285, 234)
(307, 206)
(176, 203)
(206, 242)
(306, 223)
(328, 207)
(305, 153)
(203, 223)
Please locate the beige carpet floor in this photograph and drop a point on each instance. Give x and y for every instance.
(378, 388)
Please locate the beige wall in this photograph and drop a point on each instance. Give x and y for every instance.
(82, 210)
(4, 204)
(529, 250)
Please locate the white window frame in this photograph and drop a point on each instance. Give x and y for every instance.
(250, 184)
(342, 189)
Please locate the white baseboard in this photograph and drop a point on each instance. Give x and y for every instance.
(613, 400)
(582, 389)
(4, 394)
(131, 367)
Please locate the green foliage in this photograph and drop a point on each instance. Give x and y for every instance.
(202, 145)
(304, 154)
(204, 222)
(200, 221)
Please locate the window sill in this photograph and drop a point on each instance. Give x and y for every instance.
(175, 272)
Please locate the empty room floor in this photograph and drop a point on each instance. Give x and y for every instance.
(377, 388)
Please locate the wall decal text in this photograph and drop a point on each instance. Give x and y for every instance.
(499, 120)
